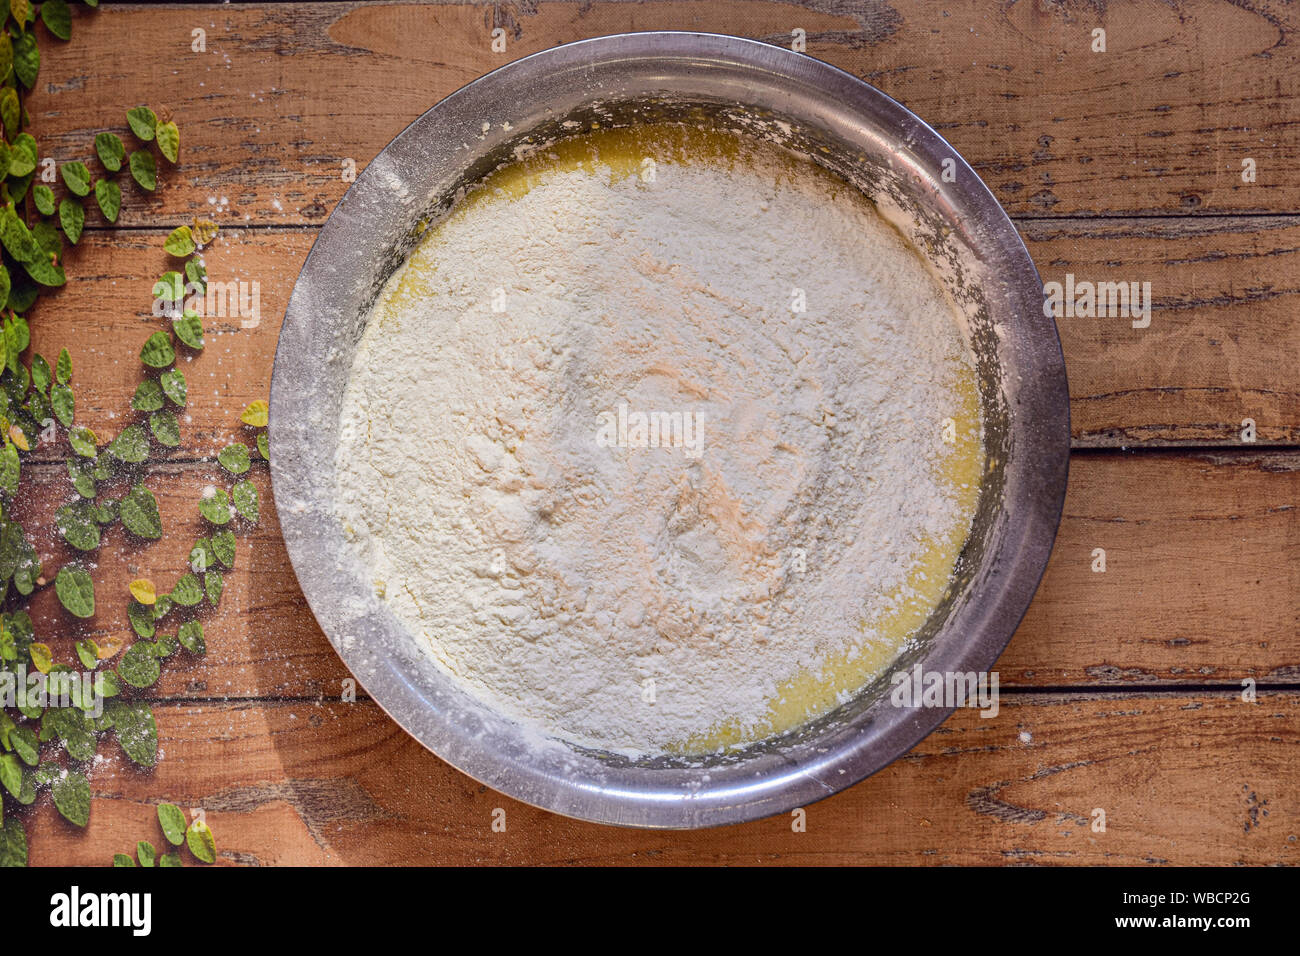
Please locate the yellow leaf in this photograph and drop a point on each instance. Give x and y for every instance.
(18, 438)
(142, 590)
(108, 647)
(255, 414)
(42, 658)
(204, 231)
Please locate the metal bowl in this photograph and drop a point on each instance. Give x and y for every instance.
(845, 125)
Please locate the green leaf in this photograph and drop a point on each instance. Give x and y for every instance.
(69, 725)
(173, 385)
(121, 859)
(143, 169)
(41, 373)
(200, 841)
(16, 187)
(76, 176)
(87, 653)
(131, 445)
(191, 637)
(215, 507)
(144, 850)
(46, 272)
(170, 859)
(170, 287)
(57, 18)
(172, 820)
(197, 274)
(139, 666)
(109, 196)
(11, 547)
(223, 546)
(26, 745)
(164, 646)
(141, 618)
(244, 497)
(13, 841)
(169, 141)
(189, 329)
(17, 238)
(76, 523)
(27, 571)
(148, 396)
(76, 590)
(234, 458)
(6, 55)
(27, 59)
(158, 351)
(63, 403)
(71, 794)
(263, 446)
(136, 729)
(106, 511)
(43, 196)
(72, 217)
(110, 150)
(25, 148)
(143, 122)
(180, 243)
(83, 442)
(63, 367)
(140, 513)
(202, 556)
(214, 584)
(5, 282)
(21, 293)
(11, 774)
(10, 470)
(47, 238)
(11, 111)
(165, 428)
(82, 475)
(187, 591)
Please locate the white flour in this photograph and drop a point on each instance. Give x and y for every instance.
(633, 597)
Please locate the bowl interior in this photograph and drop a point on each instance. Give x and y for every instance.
(755, 90)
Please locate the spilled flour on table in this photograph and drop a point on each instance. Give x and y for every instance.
(661, 441)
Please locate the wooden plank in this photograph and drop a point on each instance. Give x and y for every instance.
(1185, 780)
(1222, 343)
(283, 94)
(1225, 293)
(1201, 584)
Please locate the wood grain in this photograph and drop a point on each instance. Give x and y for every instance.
(1201, 586)
(1223, 344)
(1121, 689)
(284, 93)
(1205, 779)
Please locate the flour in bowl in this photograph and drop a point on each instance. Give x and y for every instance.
(661, 441)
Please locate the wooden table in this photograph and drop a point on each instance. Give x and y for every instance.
(1121, 691)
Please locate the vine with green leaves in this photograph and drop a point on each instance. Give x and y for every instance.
(49, 736)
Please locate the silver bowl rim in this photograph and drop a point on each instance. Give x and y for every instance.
(1029, 532)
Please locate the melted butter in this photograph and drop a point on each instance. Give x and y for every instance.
(810, 693)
